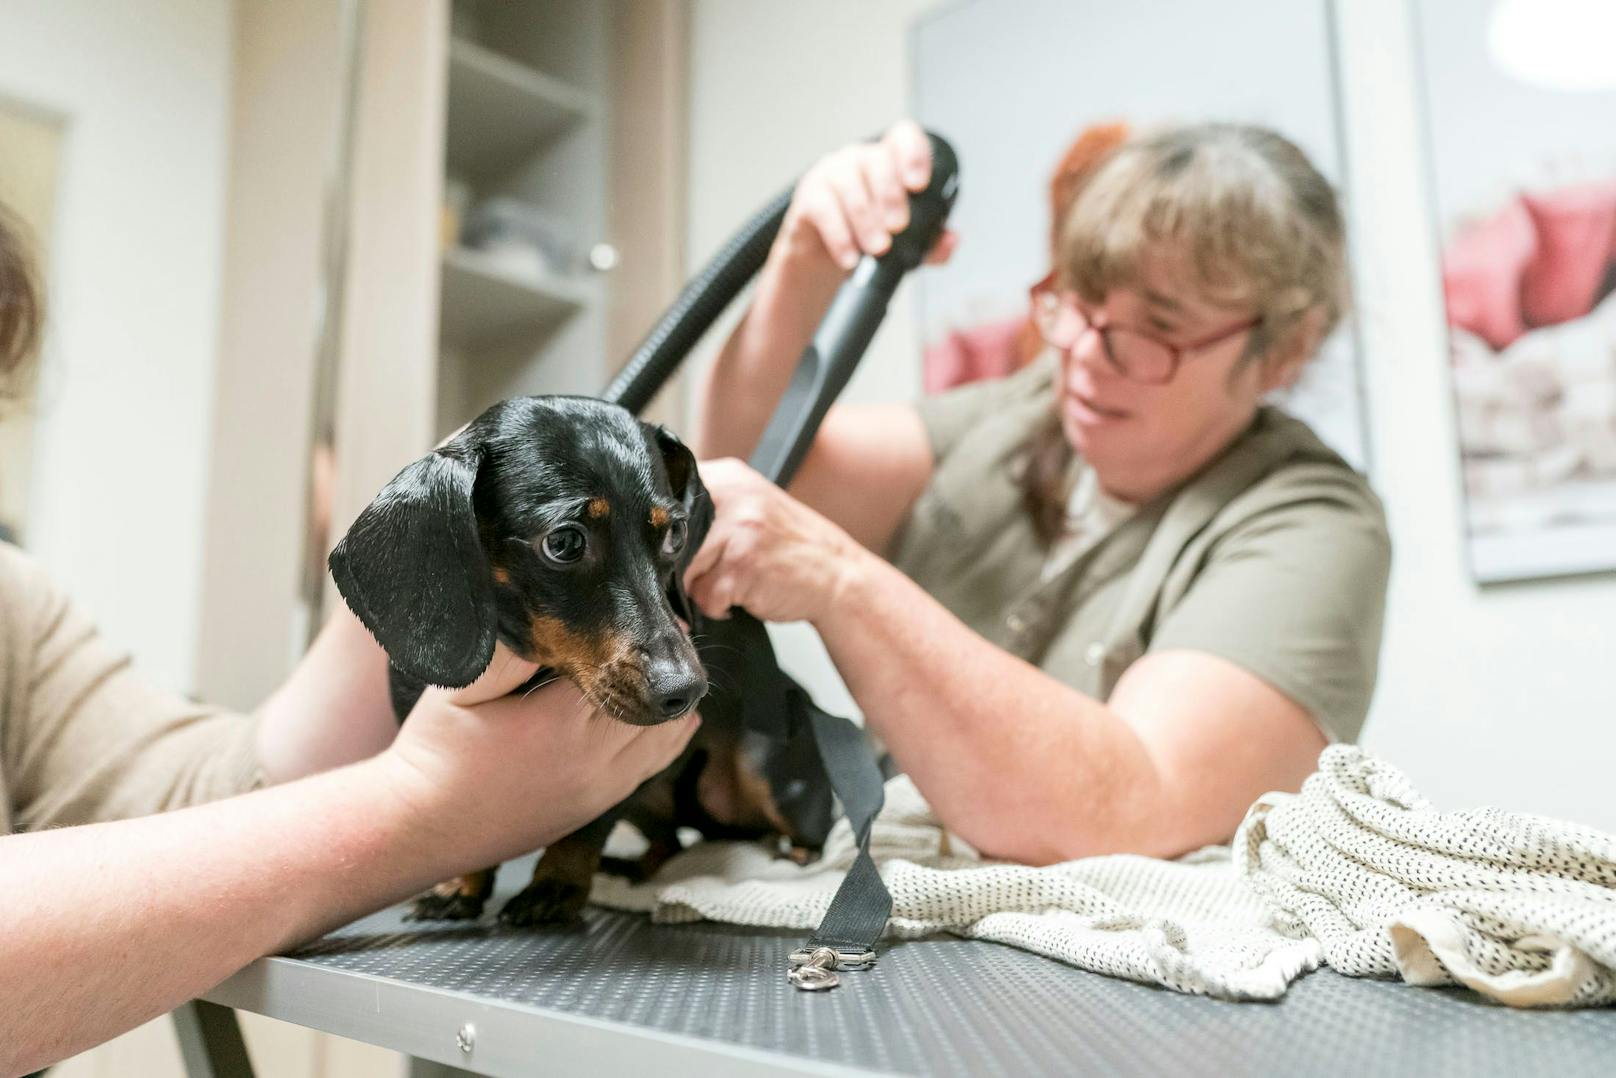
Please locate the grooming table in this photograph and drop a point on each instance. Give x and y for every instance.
(619, 995)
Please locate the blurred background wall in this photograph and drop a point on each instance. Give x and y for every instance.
(120, 457)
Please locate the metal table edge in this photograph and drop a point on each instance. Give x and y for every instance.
(413, 1019)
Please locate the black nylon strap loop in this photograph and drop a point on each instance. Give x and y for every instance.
(776, 707)
(859, 911)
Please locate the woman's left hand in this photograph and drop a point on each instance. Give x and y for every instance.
(766, 551)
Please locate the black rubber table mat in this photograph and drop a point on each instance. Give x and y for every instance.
(958, 1007)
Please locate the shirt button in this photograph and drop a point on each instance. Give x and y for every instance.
(1016, 623)
(1095, 654)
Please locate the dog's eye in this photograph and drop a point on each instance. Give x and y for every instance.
(673, 540)
(565, 544)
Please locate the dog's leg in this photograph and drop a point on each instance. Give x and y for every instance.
(459, 899)
(662, 845)
(653, 813)
(561, 879)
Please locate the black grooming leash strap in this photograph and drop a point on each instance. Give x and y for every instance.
(778, 708)
(858, 913)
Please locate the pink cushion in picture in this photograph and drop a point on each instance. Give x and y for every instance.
(1576, 229)
(1481, 274)
(971, 355)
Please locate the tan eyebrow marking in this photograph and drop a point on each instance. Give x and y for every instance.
(659, 516)
(598, 507)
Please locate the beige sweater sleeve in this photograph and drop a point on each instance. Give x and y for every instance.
(82, 736)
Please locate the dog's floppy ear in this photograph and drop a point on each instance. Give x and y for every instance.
(413, 569)
(687, 486)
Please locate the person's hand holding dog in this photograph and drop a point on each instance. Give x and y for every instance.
(767, 552)
(510, 773)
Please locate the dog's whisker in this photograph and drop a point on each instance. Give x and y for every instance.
(713, 646)
(715, 679)
(721, 647)
(536, 686)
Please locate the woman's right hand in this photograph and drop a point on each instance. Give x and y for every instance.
(508, 774)
(850, 203)
(855, 199)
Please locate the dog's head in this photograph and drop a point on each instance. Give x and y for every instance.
(561, 525)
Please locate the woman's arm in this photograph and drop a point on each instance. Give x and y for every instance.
(744, 383)
(868, 462)
(1029, 769)
(333, 710)
(851, 202)
(1017, 763)
(109, 925)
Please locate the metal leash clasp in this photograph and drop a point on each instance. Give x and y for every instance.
(814, 970)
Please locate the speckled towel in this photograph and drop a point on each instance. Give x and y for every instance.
(1521, 908)
(1355, 871)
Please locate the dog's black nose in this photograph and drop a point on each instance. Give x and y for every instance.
(675, 688)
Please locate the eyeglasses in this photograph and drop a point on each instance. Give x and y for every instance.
(1136, 354)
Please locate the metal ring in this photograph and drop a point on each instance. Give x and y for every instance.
(812, 978)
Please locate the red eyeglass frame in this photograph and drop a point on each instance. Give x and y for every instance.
(1176, 353)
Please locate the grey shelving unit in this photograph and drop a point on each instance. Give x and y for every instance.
(526, 115)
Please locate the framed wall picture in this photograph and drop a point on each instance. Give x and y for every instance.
(1521, 121)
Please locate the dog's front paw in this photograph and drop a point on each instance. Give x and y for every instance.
(435, 907)
(459, 899)
(547, 901)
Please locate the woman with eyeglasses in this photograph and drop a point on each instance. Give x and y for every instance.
(1105, 603)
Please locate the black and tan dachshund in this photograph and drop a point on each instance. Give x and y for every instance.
(562, 526)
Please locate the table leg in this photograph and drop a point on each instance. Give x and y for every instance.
(426, 1068)
(210, 1041)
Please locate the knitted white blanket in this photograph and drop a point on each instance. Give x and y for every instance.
(1355, 871)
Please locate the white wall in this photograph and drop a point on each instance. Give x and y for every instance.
(126, 391)
(1500, 696)
(774, 85)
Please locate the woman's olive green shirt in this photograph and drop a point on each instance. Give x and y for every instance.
(1274, 557)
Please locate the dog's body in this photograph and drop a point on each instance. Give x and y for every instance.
(562, 527)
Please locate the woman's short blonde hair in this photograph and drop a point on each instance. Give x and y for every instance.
(1259, 227)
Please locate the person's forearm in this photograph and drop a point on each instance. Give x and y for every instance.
(1018, 764)
(109, 925)
(333, 710)
(745, 382)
